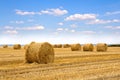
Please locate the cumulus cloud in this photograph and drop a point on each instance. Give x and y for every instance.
(113, 27)
(91, 19)
(8, 27)
(20, 12)
(35, 28)
(31, 28)
(72, 30)
(118, 27)
(64, 30)
(113, 13)
(81, 17)
(98, 21)
(55, 12)
(88, 32)
(59, 29)
(60, 23)
(17, 22)
(14, 30)
(11, 32)
(73, 26)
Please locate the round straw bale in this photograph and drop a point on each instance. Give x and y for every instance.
(88, 47)
(5, 46)
(40, 53)
(32, 42)
(59, 45)
(101, 47)
(66, 45)
(55, 45)
(26, 46)
(75, 47)
(17, 46)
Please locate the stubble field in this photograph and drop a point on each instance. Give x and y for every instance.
(68, 65)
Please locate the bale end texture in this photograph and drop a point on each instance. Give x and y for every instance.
(55, 45)
(5, 46)
(59, 46)
(66, 45)
(101, 47)
(88, 47)
(41, 53)
(17, 46)
(32, 42)
(75, 47)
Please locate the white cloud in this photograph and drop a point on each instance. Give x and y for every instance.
(118, 27)
(36, 28)
(45, 12)
(98, 21)
(11, 32)
(115, 20)
(113, 13)
(73, 26)
(20, 12)
(60, 23)
(81, 17)
(59, 29)
(17, 22)
(8, 27)
(55, 12)
(92, 19)
(113, 27)
(88, 32)
(64, 30)
(72, 30)
(31, 28)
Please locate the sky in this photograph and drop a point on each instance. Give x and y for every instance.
(60, 21)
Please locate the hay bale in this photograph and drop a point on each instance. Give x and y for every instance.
(32, 42)
(75, 47)
(88, 47)
(17, 46)
(40, 53)
(5, 46)
(66, 45)
(59, 45)
(101, 47)
(55, 45)
(26, 46)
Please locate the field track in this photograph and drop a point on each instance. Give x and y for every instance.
(68, 65)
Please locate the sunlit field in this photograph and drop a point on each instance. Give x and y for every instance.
(60, 40)
(68, 65)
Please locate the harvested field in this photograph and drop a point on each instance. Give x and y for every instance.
(68, 65)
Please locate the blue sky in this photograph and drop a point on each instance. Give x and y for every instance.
(59, 21)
